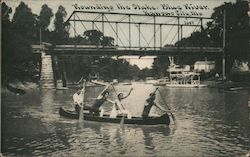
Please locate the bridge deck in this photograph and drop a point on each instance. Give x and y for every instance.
(133, 51)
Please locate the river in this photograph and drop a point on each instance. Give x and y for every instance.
(209, 122)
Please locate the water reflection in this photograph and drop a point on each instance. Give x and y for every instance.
(210, 123)
(98, 138)
(236, 107)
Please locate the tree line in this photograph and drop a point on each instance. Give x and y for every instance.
(27, 28)
(237, 43)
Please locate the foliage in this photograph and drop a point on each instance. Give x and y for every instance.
(159, 66)
(93, 37)
(5, 13)
(42, 23)
(24, 21)
(237, 36)
(108, 68)
(6, 39)
(24, 30)
(45, 16)
(61, 32)
(240, 76)
(78, 40)
(117, 69)
(145, 72)
(197, 39)
(237, 31)
(107, 41)
(16, 51)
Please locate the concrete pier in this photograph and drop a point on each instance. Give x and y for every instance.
(47, 76)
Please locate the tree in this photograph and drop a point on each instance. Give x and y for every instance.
(6, 24)
(94, 37)
(16, 52)
(237, 31)
(145, 72)
(45, 16)
(43, 21)
(237, 34)
(107, 41)
(159, 66)
(197, 39)
(6, 39)
(61, 32)
(78, 40)
(24, 21)
(6, 10)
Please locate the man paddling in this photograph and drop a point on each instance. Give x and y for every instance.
(149, 104)
(96, 108)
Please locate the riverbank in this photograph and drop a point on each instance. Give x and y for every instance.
(16, 86)
(27, 86)
(227, 84)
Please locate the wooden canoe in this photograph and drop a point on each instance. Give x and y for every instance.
(15, 90)
(164, 119)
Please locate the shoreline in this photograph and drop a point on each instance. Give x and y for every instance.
(17, 86)
(227, 85)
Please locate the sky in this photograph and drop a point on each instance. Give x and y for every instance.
(173, 7)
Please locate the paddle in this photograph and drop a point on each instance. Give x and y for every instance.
(122, 120)
(167, 107)
(155, 90)
(81, 116)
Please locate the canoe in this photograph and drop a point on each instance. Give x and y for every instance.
(186, 85)
(15, 90)
(164, 119)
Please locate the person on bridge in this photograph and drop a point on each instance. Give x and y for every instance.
(149, 104)
(118, 108)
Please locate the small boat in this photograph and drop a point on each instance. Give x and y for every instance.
(15, 90)
(186, 85)
(61, 88)
(115, 81)
(150, 80)
(236, 88)
(125, 83)
(161, 82)
(164, 119)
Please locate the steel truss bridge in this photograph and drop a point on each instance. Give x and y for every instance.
(135, 34)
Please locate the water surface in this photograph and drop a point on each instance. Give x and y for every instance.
(210, 122)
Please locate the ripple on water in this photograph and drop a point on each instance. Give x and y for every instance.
(205, 127)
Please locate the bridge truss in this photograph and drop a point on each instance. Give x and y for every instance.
(139, 31)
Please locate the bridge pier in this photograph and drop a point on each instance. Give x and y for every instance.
(60, 76)
(52, 75)
(47, 74)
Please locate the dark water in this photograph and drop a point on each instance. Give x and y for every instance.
(210, 122)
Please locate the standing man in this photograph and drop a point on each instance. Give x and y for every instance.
(149, 103)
